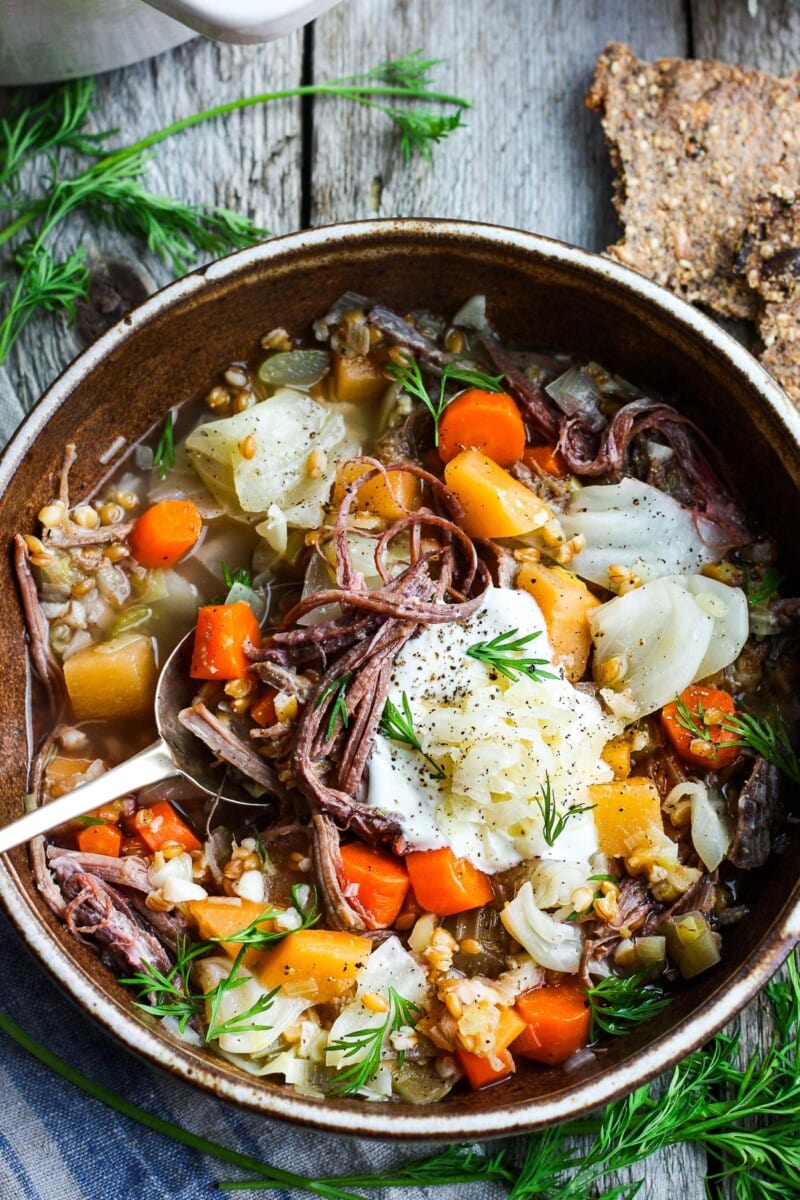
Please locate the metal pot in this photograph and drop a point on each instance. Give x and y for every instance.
(43, 40)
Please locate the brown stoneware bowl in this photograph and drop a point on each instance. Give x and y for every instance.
(542, 294)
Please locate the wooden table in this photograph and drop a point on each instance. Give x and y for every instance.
(531, 156)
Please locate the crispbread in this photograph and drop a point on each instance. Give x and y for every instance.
(694, 143)
(768, 257)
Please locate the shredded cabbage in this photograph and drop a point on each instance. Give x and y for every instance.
(555, 945)
(712, 828)
(636, 526)
(390, 965)
(654, 641)
(236, 1001)
(285, 429)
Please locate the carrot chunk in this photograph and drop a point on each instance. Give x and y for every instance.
(707, 707)
(485, 421)
(444, 884)
(222, 631)
(391, 496)
(225, 916)
(556, 1022)
(165, 532)
(381, 879)
(100, 839)
(159, 825)
(263, 710)
(483, 1072)
(548, 459)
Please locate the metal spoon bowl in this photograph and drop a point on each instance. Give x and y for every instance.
(176, 752)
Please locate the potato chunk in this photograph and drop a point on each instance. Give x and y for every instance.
(115, 679)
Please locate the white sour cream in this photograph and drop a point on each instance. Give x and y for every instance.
(498, 743)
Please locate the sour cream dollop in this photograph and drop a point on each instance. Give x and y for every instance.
(498, 743)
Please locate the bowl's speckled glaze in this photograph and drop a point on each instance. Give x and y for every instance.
(540, 293)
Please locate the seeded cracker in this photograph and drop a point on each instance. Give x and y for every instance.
(769, 259)
(694, 144)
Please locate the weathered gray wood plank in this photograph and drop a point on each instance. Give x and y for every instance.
(532, 155)
(768, 37)
(249, 160)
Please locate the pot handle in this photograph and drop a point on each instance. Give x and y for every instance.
(242, 20)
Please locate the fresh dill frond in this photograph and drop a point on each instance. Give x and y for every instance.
(408, 374)
(255, 937)
(505, 654)
(240, 575)
(761, 591)
(554, 822)
(409, 72)
(170, 995)
(371, 1040)
(768, 738)
(164, 454)
(336, 688)
(421, 130)
(621, 1003)
(110, 191)
(55, 123)
(44, 283)
(399, 727)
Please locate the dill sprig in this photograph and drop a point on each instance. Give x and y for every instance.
(172, 994)
(240, 575)
(761, 591)
(56, 123)
(399, 727)
(621, 1003)
(164, 454)
(408, 374)
(110, 192)
(769, 738)
(554, 822)
(336, 688)
(256, 937)
(505, 654)
(369, 1043)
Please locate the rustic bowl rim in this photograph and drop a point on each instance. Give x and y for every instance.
(381, 1120)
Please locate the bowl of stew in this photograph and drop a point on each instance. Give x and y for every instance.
(482, 538)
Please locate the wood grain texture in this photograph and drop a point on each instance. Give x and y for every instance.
(768, 38)
(531, 156)
(249, 161)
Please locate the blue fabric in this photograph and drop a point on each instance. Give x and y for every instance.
(58, 1144)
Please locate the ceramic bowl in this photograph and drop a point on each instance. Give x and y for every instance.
(540, 293)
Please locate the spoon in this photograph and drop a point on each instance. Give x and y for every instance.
(176, 752)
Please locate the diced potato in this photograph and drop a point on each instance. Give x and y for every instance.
(495, 503)
(357, 379)
(223, 916)
(314, 964)
(115, 680)
(617, 753)
(624, 811)
(391, 500)
(565, 602)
